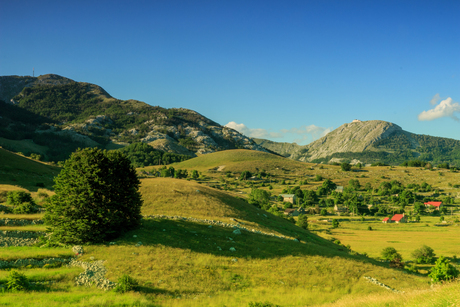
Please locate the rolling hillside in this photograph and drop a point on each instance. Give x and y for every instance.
(188, 253)
(16, 169)
(239, 160)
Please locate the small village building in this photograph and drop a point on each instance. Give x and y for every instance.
(290, 198)
(386, 220)
(339, 189)
(398, 218)
(433, 204)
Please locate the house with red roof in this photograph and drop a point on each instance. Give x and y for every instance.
(433, 204)
(398, 218)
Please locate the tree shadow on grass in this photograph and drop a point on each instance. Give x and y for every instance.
(221, 241)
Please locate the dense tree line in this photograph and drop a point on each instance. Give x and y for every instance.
(142, 154)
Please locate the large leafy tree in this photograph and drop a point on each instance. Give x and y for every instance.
(97, 198)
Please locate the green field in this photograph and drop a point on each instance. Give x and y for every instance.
(189, 262)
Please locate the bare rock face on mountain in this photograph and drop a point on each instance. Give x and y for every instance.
(352, 137)
(85, 113)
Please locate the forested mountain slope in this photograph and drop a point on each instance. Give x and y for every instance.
(62, 114)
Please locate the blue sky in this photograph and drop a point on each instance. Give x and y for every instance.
(283, 70)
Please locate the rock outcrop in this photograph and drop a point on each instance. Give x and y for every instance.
(352, 137)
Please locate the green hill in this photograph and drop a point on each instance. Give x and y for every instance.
(186, 253)
(25, 172)
(241, 160)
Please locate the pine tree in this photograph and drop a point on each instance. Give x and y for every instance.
(97, 198)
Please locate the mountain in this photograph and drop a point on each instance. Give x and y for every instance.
(63, 115)
(370, 142)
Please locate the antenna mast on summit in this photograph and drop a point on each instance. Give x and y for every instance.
(33, 72)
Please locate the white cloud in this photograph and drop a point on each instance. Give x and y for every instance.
(435, 99)
(307, 133)
(243, 129)
(446, 108)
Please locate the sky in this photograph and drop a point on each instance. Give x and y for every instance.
(287, 71)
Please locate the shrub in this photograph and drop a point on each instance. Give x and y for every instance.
(369, 228)
(17, 282)
(390, 254)
(323, 212)
(25, 208)
(443, 270)
(126, 283)
(245, 175)
(335, 223)
(16, 198)
(424, 254)
(345, 166)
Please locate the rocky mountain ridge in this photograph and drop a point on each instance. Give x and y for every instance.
(356, 136)
(87, 114)
(370, 142)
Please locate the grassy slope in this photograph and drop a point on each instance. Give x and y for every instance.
(24, 146)
(25, 172)
(180, 259)
(187, 198)
(239, 160)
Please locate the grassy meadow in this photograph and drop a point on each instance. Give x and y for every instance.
(189, 263)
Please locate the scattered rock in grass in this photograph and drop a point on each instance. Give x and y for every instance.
(134, 236)
(376, 282)
(216, 223)
(94, 274)
(237, 232)
(138, 244)
(235, 260)
(19, 238)
(219, 248)
(232, 249)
